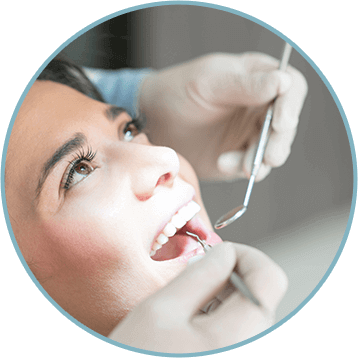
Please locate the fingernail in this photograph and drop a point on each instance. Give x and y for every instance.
(229, 162)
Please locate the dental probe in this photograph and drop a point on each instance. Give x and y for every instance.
(234, 214)
(234, 279)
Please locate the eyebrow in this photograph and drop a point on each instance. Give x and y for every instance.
(67, 148)
(70, 146)
(112, 112)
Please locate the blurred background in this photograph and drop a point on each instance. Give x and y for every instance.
(298, 215)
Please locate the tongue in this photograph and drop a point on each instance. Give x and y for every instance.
(181, 243)
(178, 245)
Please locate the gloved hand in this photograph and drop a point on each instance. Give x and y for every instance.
(211, 109)
(170, 321)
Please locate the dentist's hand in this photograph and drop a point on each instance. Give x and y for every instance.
(170, 320)
(216, 104)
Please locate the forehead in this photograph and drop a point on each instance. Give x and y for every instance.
(50, 114)
(49, 105)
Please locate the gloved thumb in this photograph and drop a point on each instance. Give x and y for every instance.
(264, 87)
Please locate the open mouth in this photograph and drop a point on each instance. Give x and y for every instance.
(180, 244)
(173, 242)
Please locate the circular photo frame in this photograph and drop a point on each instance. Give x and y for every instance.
(300, 215)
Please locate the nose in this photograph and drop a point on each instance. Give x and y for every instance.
(154, 168)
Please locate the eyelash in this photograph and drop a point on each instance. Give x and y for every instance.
(80, 157)
(88, 155)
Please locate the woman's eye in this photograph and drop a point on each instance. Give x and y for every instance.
(77, 173)
(130, 131)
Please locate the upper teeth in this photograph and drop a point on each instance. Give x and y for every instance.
(185, 214)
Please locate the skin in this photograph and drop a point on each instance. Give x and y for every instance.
(88, 242)
(89, 245)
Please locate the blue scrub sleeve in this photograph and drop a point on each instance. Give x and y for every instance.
(119, 87)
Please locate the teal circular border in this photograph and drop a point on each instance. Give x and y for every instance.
(333, 94)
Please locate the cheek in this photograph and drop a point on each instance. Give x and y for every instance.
(100, 271)
(95, 234)
(187, 173)
(87, 238)
(80, 246)
(89, 229)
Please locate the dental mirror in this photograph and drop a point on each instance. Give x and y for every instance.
(234, 214)
(230, 217)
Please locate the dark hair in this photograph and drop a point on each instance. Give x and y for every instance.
(63, 70)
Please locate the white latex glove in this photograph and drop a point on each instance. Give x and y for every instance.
(211, 109)
(170, 321)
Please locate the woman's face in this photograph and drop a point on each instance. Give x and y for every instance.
(89, 198)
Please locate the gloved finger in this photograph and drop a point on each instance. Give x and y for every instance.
(244, 80)
(230, 164)
(288, 106)
(266, 281)
(265, 86)
(261, 81)
(235, 320)
(263, 172)
(196, 285)
(253, 89)
(279, 147)
(216, 301)
(247, 164)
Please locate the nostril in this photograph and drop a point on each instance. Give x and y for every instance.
(163, 179)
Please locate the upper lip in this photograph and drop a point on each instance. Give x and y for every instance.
(168, 218)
